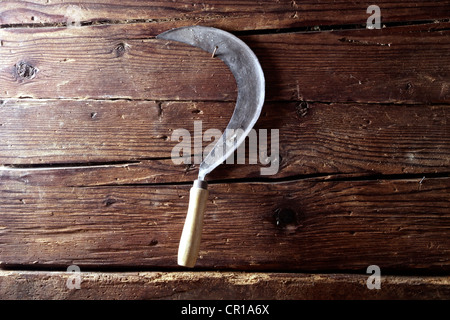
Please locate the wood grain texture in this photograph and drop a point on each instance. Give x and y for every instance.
(27, 285)
(392, 65)
(314, 138)
(121, 67)
(232, 15)
(89, 101)
(300, 225)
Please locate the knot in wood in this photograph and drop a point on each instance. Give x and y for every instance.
(302, 109)
(25, 70)
(109, 202)
(120, 49)
(284, 217)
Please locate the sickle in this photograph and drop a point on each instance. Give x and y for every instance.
(249, 76)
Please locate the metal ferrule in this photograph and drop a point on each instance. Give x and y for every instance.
(202, 184)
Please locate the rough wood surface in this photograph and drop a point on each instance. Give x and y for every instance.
(315, 138)
(300, 225)
(217, 285)
(243, 14)
(88, 103)
(392, 65)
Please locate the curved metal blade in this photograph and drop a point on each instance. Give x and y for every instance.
(249, 77)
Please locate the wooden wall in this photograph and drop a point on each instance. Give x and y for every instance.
(89, 100)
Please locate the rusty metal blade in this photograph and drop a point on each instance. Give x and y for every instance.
(250, 81)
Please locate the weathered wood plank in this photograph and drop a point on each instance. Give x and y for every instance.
(26, 285)
(233, 15)
(300, 225)
(63, 214)
(314, 138)
(392, 65)
(88, 64)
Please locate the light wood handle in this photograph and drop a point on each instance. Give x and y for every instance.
(192, 230)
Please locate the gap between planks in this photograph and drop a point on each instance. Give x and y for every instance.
(316, 177)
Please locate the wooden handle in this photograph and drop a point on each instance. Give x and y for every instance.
(192, 230)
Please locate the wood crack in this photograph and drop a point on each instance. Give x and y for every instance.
(88, 23)
(339, 27)
(62, 166)
(325, 177)
(262, 31)
(361, 42)
(159, 102)
(75, 165)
